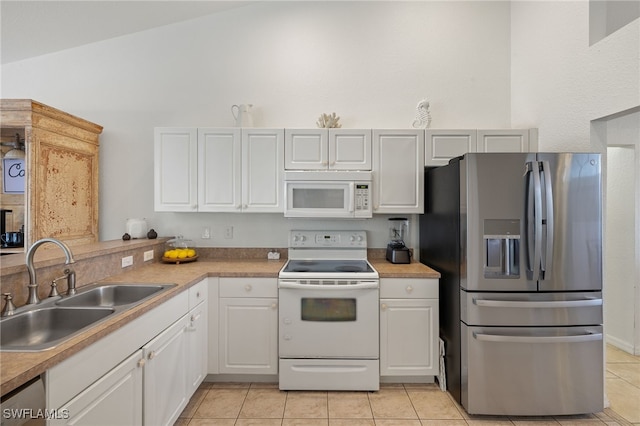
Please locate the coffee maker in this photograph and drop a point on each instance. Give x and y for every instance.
(397, 251)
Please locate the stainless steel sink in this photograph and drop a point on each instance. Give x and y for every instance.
(112, 295)
(44, 328)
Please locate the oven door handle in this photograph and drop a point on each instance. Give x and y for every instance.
(328, 287)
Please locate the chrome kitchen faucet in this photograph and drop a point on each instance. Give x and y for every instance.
(69, 273)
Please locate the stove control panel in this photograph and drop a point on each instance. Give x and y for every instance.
(328, 239)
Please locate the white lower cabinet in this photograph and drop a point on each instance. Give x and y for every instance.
(165, 375)
(114, 400)
(143, 373)
(409, 327)
(248, 326)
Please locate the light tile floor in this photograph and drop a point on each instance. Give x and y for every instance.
(246, 404)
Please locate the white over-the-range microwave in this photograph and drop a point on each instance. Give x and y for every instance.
(330, 194)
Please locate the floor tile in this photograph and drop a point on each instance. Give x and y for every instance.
(305, 422)
(306, 405)
(194, 402)
(221, 404)
(349, 405)
(351, 422)
(624, 398)
(626, 371)
(391, 403)
(397, 422)
(258, 422)
(212, 422)
(433, 404)
(263, 403)
(441, 422)
(618, 355)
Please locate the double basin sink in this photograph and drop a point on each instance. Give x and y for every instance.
(58, 319)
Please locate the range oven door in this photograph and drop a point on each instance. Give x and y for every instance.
(329, 321)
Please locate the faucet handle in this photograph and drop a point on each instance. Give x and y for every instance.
(9, 307)
(54, 289)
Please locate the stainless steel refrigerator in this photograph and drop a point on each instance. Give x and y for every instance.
(517, 239)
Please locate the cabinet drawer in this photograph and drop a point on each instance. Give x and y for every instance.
(198, 293)
(248, 287)
(408, 288)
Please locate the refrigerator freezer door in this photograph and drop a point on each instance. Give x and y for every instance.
(522, 371)
(572, 236)
(531, 309)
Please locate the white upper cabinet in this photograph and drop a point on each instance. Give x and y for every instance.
(175, 169)
(323, 149)
(398, 171)
(262, 170)
(443, 145)
(508, 140)
(219, 169)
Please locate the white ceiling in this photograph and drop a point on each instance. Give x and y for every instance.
(33, 28)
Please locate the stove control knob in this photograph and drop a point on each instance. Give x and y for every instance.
(287, 337)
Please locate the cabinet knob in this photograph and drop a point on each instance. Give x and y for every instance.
(383, 306)
(152, 354)
(409, 289)
(248, 287)
(274, 305)
(141, 363)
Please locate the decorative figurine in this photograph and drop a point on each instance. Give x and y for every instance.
(423, 116)
(126, 237)
(152, 234)
(328, 121)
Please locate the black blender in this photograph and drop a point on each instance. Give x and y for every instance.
(397, 251)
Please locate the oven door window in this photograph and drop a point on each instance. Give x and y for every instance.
(328, 309)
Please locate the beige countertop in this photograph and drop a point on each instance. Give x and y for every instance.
(16, 368)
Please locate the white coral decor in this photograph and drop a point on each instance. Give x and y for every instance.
(423, 116)
(328, 121)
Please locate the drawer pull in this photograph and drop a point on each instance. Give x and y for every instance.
(152, 354)
(409, 289)
(248, 287)
(590, 337)
(141, 362)
(383, 306)
(274, 305)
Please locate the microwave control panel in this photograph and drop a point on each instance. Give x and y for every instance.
(363, 199)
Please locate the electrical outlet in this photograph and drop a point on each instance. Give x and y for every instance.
(148, 255)
(228, 232)
(206, 233)
(127, 261)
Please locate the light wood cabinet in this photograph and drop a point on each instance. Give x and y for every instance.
(409, 327)
(61, 190)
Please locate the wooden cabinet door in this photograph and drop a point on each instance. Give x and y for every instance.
(175, 169)
(349, 149)
(443, 145)
(115, 399)
(219, 170)
(306, 149)
(398, 171)
(262, 170)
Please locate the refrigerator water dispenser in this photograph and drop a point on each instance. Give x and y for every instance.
(501, 248)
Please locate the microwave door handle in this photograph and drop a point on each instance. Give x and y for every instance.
(352, 197)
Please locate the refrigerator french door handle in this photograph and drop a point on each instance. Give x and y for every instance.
(590, 337)
(487, 303)
(547, 247)
(534, 219)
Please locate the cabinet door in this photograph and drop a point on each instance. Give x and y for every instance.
(262, 170)
(398, 171)
(248, 335)
(510, 140)
(165, 375)
(219, 170)
(443, 145)
(175, 169)
(115, 399)
(306, 149)
(197, 354)
(349, 149)
(409, 337)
